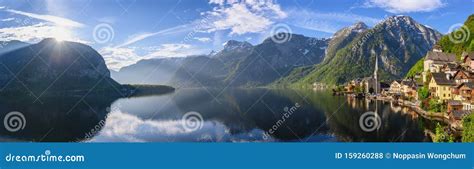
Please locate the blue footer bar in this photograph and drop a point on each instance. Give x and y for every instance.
(236, 155)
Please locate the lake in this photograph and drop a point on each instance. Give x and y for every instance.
(216, 115)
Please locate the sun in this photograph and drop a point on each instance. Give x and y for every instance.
(62, 34)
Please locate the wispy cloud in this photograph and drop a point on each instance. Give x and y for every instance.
(405, 6)
(50, 18)
(136, 38)
(8, 19)
(139, 37)
(49, 26)
(116, 58)
(108, 19)
(37, 32)
(123, 55)
(202, 39)
(241, 17)
(175, 50)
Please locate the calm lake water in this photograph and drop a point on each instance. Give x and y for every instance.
(232, 115)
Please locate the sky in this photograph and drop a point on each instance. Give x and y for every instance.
(126, 31)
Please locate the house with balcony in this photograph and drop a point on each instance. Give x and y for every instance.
(350, 87)
(468, 60)
(435, 61)
(458, 115)
(440, 86)
(451, 68)
(464, 93)
(454, 105)
(409, 88)
(395, 87)
(463, 76)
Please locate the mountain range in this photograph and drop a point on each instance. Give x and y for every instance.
(237, 64)
(8, 46)
(52, 66)
(398, 41)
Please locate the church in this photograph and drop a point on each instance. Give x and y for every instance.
(371, 84)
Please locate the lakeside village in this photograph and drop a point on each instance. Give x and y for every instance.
(443, 92)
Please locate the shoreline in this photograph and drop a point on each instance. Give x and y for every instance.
(440, 117)
(455, 126)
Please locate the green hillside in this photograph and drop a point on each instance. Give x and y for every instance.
(357, 58)
(457, 42)
(417, 68)
(460, 40)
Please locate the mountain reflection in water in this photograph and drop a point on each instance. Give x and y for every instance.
(232, 115)
(62, 119)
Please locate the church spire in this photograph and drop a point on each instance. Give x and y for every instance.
(376, 66)
(375, 74)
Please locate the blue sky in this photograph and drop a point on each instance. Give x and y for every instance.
(125, 31)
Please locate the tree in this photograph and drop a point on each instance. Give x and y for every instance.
(436, 106)
(423, 93)
(428, 79)
(440, 135)
(468, 128)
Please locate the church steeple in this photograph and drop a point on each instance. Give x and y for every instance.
(376, 66)
(376, 85)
